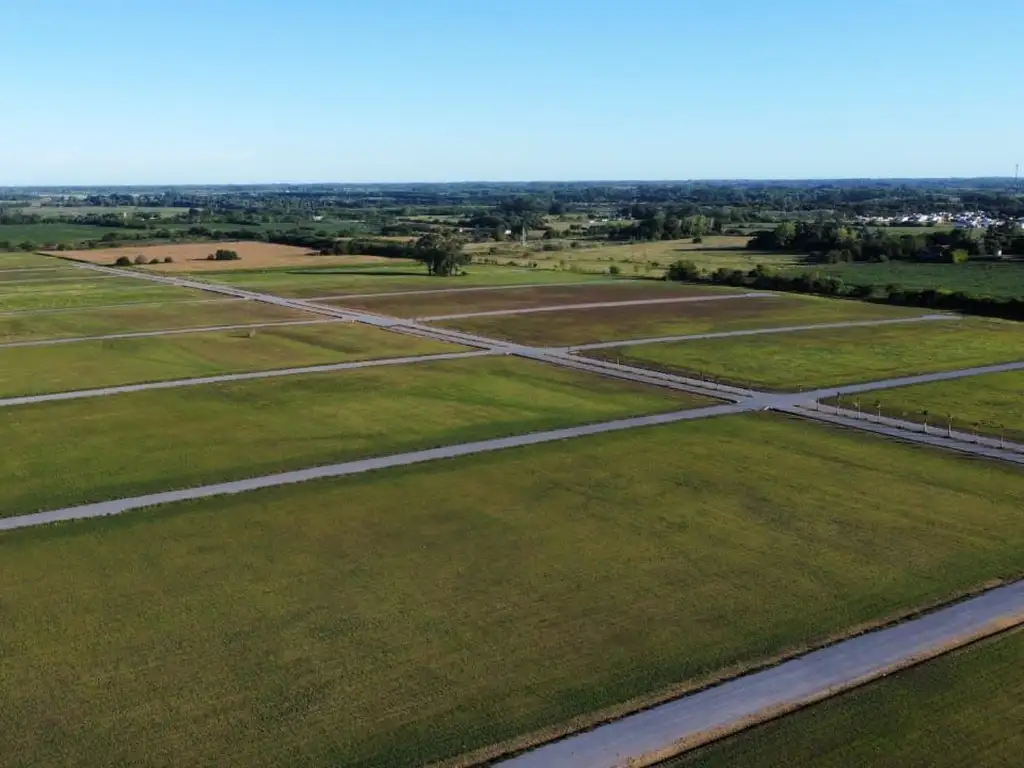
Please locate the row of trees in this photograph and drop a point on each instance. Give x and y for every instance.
(832, 241)
(762, 278)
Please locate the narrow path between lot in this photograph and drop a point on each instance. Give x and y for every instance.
(754, 332)
(596, 305)
(659, 733)
(165, 332)
(119, 506)
(224, 378)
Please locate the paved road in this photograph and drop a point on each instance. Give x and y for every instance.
(596, 305)
(906, 381)
(119, 506)
(799, 681)
(230, 377)
(755, 332)
(165, 332)
(902, 430)
(470, 289)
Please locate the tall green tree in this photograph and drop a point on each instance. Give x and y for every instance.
(442, 253)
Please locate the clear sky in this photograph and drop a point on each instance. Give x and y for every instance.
(221, 91)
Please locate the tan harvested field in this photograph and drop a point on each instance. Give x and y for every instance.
(430, 304)
(191, 257)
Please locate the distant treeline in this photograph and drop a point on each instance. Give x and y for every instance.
(832, 242)
(762, 278)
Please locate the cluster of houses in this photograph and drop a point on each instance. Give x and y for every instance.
(963, 220)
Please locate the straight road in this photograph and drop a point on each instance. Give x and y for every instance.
(166, 332)
(764, 695)
(78, 394)
(120, 506)
(755, 332)
(596, 305)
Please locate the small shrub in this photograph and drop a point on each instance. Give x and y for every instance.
(154, 260)
(613, 270)
(168, 260)
(140, 259)
(123, 261)
(210, 257)
(223, 254)
(698, 239)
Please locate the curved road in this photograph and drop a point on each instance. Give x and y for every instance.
(707, 714)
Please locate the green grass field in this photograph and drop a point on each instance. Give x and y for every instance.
(89, 364)
(129, 319)
(965, 709)
(813, 359)
(21, 259)
(993, 404)
(71, 294)
(52, 233)
(75, 452)
(42, 277)
(380, 278)
(350, 622)
(612, 324)
(982, 278)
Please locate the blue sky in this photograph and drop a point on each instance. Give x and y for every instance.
(221, 91)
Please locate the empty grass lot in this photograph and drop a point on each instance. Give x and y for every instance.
(75, 452)
(811, 359)
(309, 283)
(22, 259)
(981, 278)
(965, 709)
(132, 319)
(580, 326)
(40, 275)
(407, 615)
(70, 294)
(993, 404)
(89, 364)
(425, 305)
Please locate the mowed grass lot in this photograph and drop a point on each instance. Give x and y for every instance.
(74, 452)
(132, 319)
(38, 275)
(23, 259)
(993, 403)
(823, 358)
(614, 323)
(367, 279)
(983, 278)
(349, 622)
(429, 304)
(88, 292)
(89, 364)
(965, 709)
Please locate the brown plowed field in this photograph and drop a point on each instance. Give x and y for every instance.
(450, 302)
(191, 257)
(582, 326)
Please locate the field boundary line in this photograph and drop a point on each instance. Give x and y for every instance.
(757, 332)
(597, 305)
(359, 466)
(225, 378)
(660, 732)
(165, 332)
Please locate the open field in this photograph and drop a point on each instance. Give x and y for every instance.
(52, 233)
(63, 212)
(338, 623)
(192, 256)
(88, 292)
(982, 278)
(40, 277)
(91, 364)
(424, 305)
(22, 259)
(128, 319)
(965, 709)
(992, 404)
(614, 323)
(813, 359)
(395, 275)
(74, 452)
